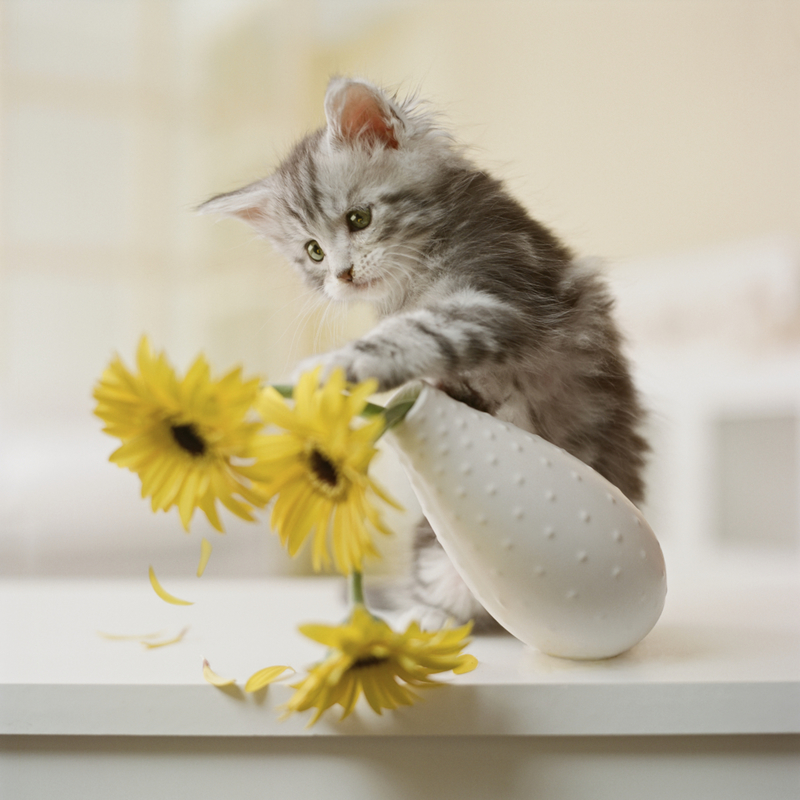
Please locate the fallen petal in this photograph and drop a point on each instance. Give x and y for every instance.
(264, 677)
(164, 595)
(124, 637)
(152, 645)
(213, 678)
(466, 663)
(205, 554)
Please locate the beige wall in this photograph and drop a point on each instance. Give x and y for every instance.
(635, 127)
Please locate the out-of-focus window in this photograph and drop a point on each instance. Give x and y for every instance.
(635, 129)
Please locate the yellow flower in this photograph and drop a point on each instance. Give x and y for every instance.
(185, 437)
(317, 469)
(368, 656)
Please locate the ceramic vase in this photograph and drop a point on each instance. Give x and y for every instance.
(553, 551)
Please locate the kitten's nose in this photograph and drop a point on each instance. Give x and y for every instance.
(346, 276)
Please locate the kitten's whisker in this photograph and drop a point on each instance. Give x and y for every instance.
(300, 324)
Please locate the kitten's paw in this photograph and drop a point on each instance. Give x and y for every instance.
(429, 618)
(359, 364)
(327, 363)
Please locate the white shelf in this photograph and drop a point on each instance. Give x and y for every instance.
(723, 659)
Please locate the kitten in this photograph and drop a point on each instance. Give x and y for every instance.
(472, 294)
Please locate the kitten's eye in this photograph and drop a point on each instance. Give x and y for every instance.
(314, 251)
(358, 219)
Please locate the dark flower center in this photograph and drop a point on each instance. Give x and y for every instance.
(324, 468)
(187, 437)
(368, 661)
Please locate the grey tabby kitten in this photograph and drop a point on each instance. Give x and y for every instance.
(473, 295)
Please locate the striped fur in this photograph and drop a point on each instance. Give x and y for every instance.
(473, 295)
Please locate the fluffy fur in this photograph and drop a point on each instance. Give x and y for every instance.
(472, 294)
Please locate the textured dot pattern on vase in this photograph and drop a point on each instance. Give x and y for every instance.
(535, 526)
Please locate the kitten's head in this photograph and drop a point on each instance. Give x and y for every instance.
(350, 204)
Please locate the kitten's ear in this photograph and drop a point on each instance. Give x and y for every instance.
(250, 203)
(358, 112)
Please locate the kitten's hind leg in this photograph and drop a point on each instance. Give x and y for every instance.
(437, 593)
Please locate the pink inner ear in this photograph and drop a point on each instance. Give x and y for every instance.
(362, 116)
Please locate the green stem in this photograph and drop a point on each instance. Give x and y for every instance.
(392, 414)
(395, 414)
(356, 588)
(287, 391)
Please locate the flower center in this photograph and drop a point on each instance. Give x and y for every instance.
(368, 661)
(187, 437)
(324, 473)
(324, 468)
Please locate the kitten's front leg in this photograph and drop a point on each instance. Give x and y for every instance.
(360, 360)
(458, 334)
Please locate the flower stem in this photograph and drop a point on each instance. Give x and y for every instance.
(287, 391)
(393, 414)
(356, 588)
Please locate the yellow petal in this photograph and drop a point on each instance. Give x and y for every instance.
(349, 697)
(213, 678)
(163, 594)
(210, 510)
(187, 499)
(264, 677)
(124, 637)
(273, 409)
(466, 663)
(165, 642)
(205, 554)
(329, 635)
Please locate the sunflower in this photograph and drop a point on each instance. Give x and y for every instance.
(367, 656)
(185, 438)
(317, 469)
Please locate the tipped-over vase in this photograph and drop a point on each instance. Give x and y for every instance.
(552, 550)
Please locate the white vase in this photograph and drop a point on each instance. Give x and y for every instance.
(553, 551)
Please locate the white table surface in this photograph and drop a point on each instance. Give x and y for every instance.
(723, 659)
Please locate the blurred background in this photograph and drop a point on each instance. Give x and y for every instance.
(660, 136)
